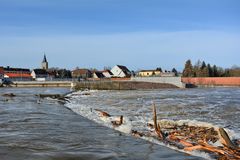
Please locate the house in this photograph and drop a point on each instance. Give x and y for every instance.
(98, 74)
(107, 73)
(120, 71)
(17, 74)
(149, 73)
(39, 74)
(81, 73)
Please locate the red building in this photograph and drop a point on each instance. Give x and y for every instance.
(17, 74)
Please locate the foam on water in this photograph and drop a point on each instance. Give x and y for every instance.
(136, 109)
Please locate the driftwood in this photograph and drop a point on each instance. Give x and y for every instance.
(53, 96)
(61, 98)
(188, 138)
(156, 125)
(192, 138)
(225, 140)
(102, 113)
(117, 122)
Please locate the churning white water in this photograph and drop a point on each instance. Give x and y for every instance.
(205, 107)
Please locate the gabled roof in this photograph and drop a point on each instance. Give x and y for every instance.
(40, 71)
(108, 71)
(124, 69)
(99, 74)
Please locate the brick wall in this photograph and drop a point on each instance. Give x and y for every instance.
(216, 81)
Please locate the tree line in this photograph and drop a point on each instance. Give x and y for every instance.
(201, 69)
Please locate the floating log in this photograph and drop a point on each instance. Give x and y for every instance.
(102, 113)
(186, 137)
(8, 95)
(206, 148)
(53, 96)
(225, 140)
(181, 141)
(86, 94)
(137, 134)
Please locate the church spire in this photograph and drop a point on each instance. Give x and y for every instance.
(44, 63)
(44, 59)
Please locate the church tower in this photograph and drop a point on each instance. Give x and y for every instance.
(44, 63)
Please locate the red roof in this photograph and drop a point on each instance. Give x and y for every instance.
(16, 75)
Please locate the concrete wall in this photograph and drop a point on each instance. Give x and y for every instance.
(212, 81)
(168, 80)
(41, 84)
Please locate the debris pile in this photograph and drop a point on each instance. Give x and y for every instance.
(188, 138)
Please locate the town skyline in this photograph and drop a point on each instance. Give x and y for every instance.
(140, 35)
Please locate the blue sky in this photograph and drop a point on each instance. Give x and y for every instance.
(141, 34)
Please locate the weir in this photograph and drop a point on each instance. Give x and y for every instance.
(120, 85)
(41, 84)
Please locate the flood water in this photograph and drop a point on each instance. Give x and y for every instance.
(36, 129)
(218, 107)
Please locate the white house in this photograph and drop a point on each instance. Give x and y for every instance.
(39, 74)
(120, 71)
(107, 73)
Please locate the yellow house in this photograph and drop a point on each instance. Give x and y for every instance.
(149, 73)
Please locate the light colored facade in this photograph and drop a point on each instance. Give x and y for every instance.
(120, 71)
(149, 73)
(39, 74)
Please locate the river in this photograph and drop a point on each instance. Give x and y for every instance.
(44, 129)
(218, 107)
